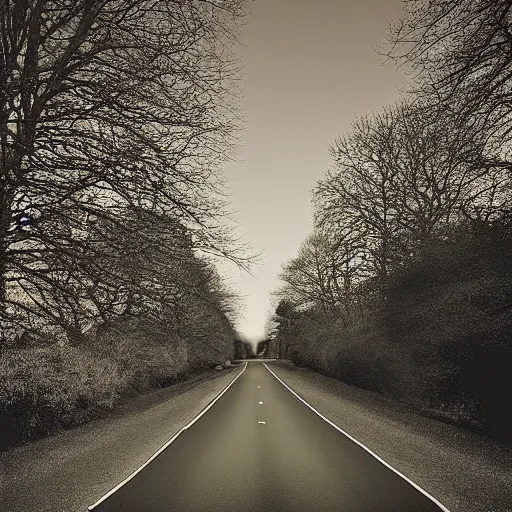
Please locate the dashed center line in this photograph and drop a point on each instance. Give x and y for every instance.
(262, 422)
(261, 403)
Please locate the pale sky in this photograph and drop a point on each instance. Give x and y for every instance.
(310, 70)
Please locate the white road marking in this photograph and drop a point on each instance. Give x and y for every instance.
(209, 406)
(261, 403)
(262, 422)
(263, 363)
(416, 486)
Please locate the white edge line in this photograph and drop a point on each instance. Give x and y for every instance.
(416, 486)
(173, 438)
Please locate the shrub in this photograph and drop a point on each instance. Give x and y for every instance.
(45, 389)
(440, 338)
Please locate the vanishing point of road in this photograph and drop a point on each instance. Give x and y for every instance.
(260, 448)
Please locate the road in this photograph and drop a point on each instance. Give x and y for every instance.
(259, 448)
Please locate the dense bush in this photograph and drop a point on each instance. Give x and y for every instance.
(439, 340)
(451, 309)
(45, 389)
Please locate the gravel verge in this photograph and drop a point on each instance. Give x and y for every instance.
(464, 471)
(70, 471)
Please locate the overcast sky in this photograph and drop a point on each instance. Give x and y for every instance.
(310, 70)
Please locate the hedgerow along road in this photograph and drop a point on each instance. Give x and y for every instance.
(260, 447)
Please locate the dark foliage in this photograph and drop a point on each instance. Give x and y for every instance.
(439, 339)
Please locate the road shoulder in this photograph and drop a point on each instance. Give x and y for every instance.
(466, 472)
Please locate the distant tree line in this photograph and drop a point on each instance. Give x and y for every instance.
(115, 119)
(405, 285)
(243, 349)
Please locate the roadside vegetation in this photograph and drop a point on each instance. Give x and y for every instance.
(404, 287)
(115, 120)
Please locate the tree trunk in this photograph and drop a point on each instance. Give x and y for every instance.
(5, 214)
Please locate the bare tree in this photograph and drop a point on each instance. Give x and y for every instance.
(359, 193)
(459, 52)
(307, 277)
(108, 105)
(398, 177)
(324, 273)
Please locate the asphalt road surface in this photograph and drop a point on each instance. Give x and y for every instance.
(259, 448)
